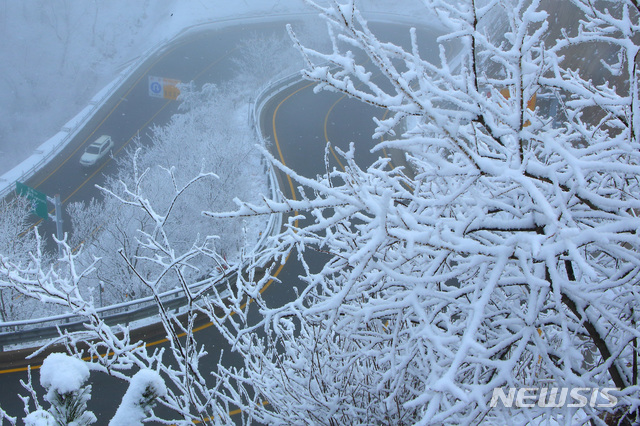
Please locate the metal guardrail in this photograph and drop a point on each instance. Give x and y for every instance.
(171, 301)
(267, 93)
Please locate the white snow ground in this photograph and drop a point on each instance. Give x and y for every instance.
(57, 54)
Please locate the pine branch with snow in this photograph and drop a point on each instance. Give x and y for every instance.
(63, 378)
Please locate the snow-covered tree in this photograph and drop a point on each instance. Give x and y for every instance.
(261, 58)
(17, 240)
(501, 252)
(63, 378)
(14, 222)
(203, 136)
(111, 349)
(504, 253)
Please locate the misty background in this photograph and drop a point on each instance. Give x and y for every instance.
(57, 54)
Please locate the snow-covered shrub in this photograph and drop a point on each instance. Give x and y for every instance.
(63, 377)
(145, 386)
(17, 240)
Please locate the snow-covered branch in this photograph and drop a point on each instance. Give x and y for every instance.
(505, 254)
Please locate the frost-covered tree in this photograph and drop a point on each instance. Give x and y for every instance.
(111, 350)
(261, 58)
(17, 240)
(503, 253)
(203, 136)
(14, 222)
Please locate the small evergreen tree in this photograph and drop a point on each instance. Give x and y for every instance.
(63, 377)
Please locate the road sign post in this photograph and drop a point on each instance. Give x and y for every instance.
(58, 219)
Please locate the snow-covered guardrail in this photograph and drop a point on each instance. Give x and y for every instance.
(275, 220)
(28, 331)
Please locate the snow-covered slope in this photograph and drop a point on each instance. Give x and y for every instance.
(56, 54)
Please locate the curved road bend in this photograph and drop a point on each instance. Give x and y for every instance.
(201, 58)
(296, 120)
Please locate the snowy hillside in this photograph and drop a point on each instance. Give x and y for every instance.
(57, 54)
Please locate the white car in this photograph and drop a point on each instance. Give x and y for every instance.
(96, 150)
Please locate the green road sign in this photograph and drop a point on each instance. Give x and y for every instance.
(37, 198)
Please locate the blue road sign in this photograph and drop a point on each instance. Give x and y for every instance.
(160, 87)
(155, 87)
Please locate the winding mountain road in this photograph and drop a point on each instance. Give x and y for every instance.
(297, 121)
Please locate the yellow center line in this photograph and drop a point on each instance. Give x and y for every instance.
(156, 342)
(231, 413)
(326, 135)
(275, 135)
